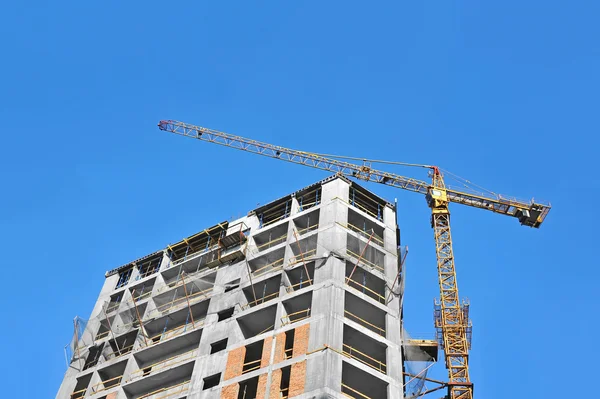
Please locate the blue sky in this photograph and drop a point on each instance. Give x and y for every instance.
(505, 95)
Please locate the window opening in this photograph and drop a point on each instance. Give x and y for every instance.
(218, 346)
(124, 278)
(225, 314)
(211, 381)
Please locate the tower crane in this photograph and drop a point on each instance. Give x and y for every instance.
(451, 319)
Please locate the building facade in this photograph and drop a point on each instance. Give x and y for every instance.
(300, 298)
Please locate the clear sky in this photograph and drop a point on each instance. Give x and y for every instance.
(504, 94)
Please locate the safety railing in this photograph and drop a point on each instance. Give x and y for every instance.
(364, 358)
(112, 307)
(163, 364)
(168, 392)
(307, 230)
(288, 353)
(299, 285)
(298, 258)
(121, 352)
(295, 317)
(194, 255)
(148, 272)
(251, 366)
(107, 384)
(142, 296)
(102, 335)
(259, 301)
(359, 320)
(363, 260)
(357, 206)
(354, 391)
(351, 227)
(272, 243)
(172, 333)
(276, 265)
(378, 296)
(79, 394)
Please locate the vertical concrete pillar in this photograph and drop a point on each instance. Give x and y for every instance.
(265, 359)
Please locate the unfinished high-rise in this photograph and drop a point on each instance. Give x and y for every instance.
(300, 298)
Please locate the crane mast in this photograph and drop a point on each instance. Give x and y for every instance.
(451, 317)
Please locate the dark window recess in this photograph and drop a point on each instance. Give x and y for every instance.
(289, 343)
(124, 278)
(232, 285)
(225, 314)
(218, 346)
(211, 381)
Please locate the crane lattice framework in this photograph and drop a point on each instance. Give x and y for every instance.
(451, 317)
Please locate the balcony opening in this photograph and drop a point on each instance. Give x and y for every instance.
(271, 238)
(253, 356)
(111, 377)
(274, 212)
(289, 343)
(284, 387)
(308, 198)
(212, 381)
(194, 246)
(176, 323)
(307, 223)
(303, 249)
(262, 291)
(149, 265)
(232, 285)
(172, 383)
(258, 322)
(299, 277)
(269, 262)
(93, 356)
(105, 327)
(365, 227)
(157, 359)
(218, 346)
(186, 292)
(364, 349)
(365, 282)
(142, 290)
(359, 384)
(225, 314)
(120, 345)
(130, 316)
(367, 202)
(124, 278)
(81, 386)
(297, 308)
(365, 314)
(114, 302)
(371, 257)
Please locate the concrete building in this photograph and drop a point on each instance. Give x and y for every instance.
(300, 298)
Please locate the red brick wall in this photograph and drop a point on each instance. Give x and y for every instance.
(235, 363)
(275, 384)
(261, 389)
(230, 391)
(112, 395)
(265, 359)
(279, 348)
(301, 340)
(297, 378)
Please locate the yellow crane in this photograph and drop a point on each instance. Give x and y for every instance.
(451, 316)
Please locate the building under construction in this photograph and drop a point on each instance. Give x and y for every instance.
(300, 298)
